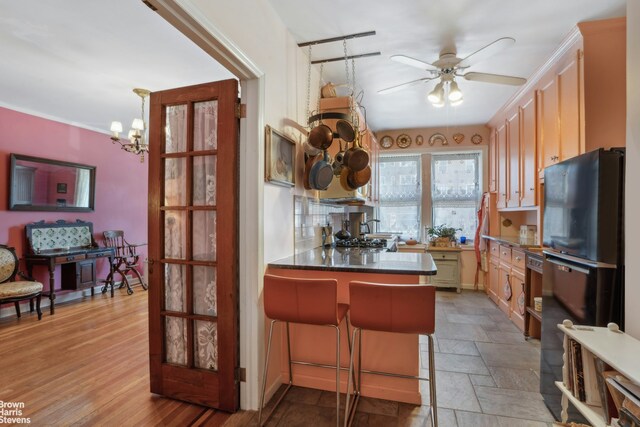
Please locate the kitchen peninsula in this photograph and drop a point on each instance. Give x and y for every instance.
(386, 352)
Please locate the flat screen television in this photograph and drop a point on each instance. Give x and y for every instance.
(584, 206)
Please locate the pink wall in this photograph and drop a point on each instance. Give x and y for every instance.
(121, 181)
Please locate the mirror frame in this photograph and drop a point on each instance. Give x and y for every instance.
(43, 208)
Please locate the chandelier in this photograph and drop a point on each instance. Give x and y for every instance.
(447, 89)
(137, 141)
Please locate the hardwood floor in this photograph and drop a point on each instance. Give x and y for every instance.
(88, 365)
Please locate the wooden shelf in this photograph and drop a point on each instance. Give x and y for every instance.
(591, 413)
(535, 314)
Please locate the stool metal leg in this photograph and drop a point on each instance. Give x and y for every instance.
(264, 373)
(349, 412)
(432, 384)
(338, 375)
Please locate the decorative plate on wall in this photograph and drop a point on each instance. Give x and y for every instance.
(438, 138)
(476, 139)
(458, 138)
(386, 141)
(403, 141)
(419, 140)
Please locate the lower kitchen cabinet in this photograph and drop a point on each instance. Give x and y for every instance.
(507, 281)
(447, 261)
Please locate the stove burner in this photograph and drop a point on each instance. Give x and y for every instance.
(362, 243)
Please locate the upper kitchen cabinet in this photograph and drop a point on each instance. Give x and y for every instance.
(575, 103)
(513, 143)
(502, 161)
(493, 176)
(528, 144)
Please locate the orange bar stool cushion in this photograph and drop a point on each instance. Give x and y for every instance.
(393, 308)
(309, 301)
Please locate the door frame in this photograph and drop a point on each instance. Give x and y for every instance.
(201, 31)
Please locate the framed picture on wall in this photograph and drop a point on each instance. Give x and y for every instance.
(280, 157)
(61, 188)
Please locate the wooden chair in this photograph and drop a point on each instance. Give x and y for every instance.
(12, 290)
(126, 258)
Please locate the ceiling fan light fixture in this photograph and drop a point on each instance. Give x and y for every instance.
(455, 94)
(436, 96)
(438, 104)
(458, 102)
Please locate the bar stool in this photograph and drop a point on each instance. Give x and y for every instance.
(408, 309)
(309, 302)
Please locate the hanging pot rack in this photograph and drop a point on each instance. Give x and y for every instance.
(337, 39)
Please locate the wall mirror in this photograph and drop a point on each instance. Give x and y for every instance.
(38, 184)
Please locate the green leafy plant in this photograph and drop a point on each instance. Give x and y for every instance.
(443, 231)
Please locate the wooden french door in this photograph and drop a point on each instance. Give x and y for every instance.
(193, 212)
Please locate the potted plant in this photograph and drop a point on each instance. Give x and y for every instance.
(442, 235)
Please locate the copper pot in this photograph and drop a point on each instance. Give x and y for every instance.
(359, 178)
(345, 182)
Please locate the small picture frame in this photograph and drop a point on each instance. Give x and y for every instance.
(61, 188)
(280, 158)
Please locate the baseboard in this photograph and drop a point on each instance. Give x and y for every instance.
(471, 287)
(9, 310)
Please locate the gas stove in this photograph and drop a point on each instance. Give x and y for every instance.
(361, 243)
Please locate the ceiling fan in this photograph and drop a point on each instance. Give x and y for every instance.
(449, 66)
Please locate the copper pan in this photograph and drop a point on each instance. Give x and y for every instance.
(359, 178)
(356, 157)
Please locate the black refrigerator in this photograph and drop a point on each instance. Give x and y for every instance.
(583, 231)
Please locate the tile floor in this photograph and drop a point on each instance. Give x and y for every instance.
(486, 375)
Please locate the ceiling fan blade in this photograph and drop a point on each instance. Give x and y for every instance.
(407, 60)
(404, 85)
(487, 51)
(495, 78)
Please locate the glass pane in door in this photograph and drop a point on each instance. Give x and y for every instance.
(175, 295)
(204, 180)
(175, 182)
(204, 291)
(205, 345)
(175, 235)
(205, 125)
(175, 334)
(204, 235)
(176, 129)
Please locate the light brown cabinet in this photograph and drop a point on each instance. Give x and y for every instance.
(569, 96)
(507, 281)
(493, 179)
(529, 171)
(513, 173)
(549, 152)
(501, 142)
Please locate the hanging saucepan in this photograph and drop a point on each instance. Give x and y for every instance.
(321, 174)
(307, 170)
(360, 178)
(337, 161)
(321, 136)
(356, 158)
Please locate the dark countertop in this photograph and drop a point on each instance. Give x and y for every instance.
(513, 241)
(359, 260)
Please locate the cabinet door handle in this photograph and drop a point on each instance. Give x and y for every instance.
(518, 258)
(531, 189)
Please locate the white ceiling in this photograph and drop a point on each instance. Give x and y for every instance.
(78, 60)
(422, 29)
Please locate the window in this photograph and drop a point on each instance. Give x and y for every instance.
(400, 195)
(455, 191)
